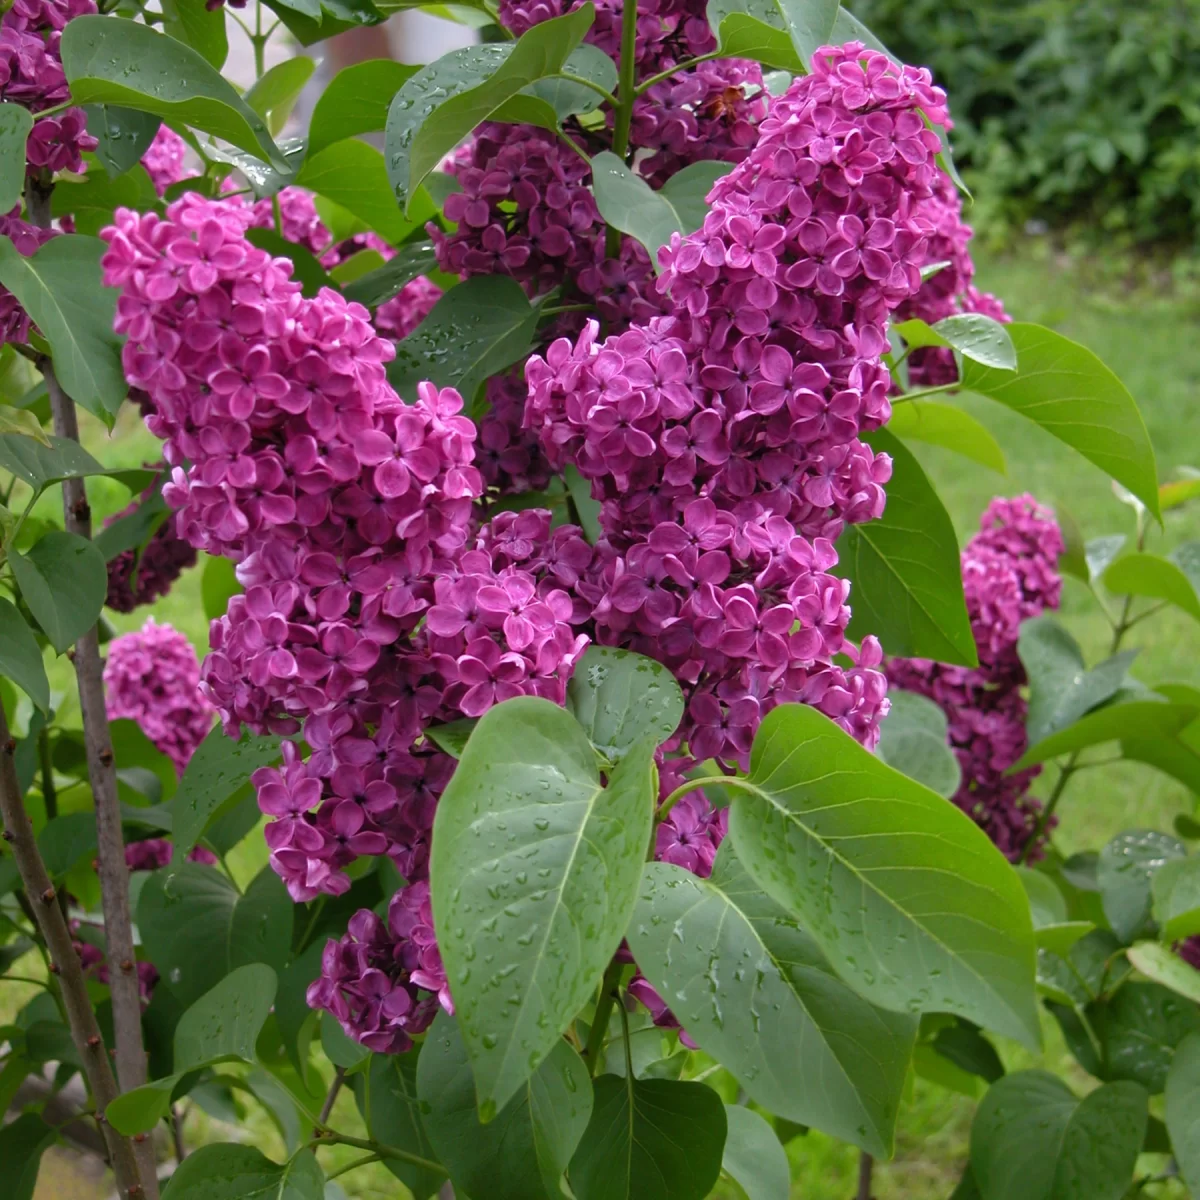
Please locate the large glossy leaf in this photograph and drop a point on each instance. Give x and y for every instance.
(754, 29)
(1175, 893)
(474, 331)
(60, 288)
(810, 24)
(619, 697)
(566, 97)
(66, 840)
(123, 135)
(1061, 688)
(15, 124)
(275, 93)
(1139, 1027)
(523, 1152)
(63, 579)
(20, 656)
(752, 988)
(628, 203)
(352, 174)
(394, 1112)
(915, 740)
(129, 64)
(1126, 867)
(216, 771)
(356, 101)
(226, 1171)
(650, 1139)
(39, 465)
(378, 286)
(444, 101)
(1183, 1110)
(944, 425)
(1137, 719)
(904, 893)
(1159, 578)
(982, 339)
(904, 568)
(1032, 1138)
(1070, 393)
(198, 26)
(197, 928)
(534, 870)
(754, 1157)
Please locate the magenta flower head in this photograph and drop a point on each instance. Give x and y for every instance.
(152, 677)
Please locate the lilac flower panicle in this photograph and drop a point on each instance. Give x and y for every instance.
(1010, 574)
(165, 159)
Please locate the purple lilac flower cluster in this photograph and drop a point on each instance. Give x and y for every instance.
(165, 160)
(723, 441)
(151, 854)
(14, 320)
(137, 578)
(1009, 575)
(949, 290)
(95, 962)
(152, 677)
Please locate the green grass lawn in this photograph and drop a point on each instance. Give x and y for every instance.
(1152, 344)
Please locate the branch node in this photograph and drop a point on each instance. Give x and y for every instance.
(10, 747)
(54, 968)
(126, 965)
(94, 1041)
(8, 837)
(81, 509)
(106, 758)
(48, 896)
(139, 1137)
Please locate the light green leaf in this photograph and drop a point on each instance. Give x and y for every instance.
(356, 101)
(379, 286)
(1070, 393)
(20, 656)
(567, 98)
(904, 893)
(1032, 1138)
(754, 1157)
(944, 425)
(1052, 930)
(810, 23)
(1183, 1110)
(24, 422)
(274, 95)
(123, 134)
(1177, 491)
(904, 568)
(534, 870)
(523, 1152)
(444, 101)
(92, 201)
(1175, 893)
(914, 739)
(619, 698)
(982, 339)
(225, 1171)
(217, 770)
(194, 24)
(218, 585)
(351, 173)
(475, 331)
(61, 289)
(1127, 865)
(15, 124)
(751, 987)
(63, 579)
(687, 192)
(1164, 966)
(587, 508)
(129, 64)
(754, 29)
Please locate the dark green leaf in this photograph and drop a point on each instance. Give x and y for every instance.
(619, 698)
(395, 1115)
(194, 24)
(1139, 1028)
(444, 101)
(751, 987)
(754, 1157)
(1164, 966)
(66, 841)
(1134, 720)
(974, 336)
(903, 892)
(905, 571)
(219, 767)
(523, 1152)
(452, 737)
(60, 288)
(274, 94)
(1159, 578)
(1052, 927)
(305, 267)
(378, 286)
(475, 331)
(20, 657)
(225, 1171)
(1126, 867)
(64, 580)
(1032, 1138)
(218, 585)
(316, 20)
(226, 1021)
(967, 1048)
(1061, 688)
(356, 101)
(754, 29)
(1175, 890)
(15, 124)
(627, 202)
(129, 64)
(40, 466)
(133, 531)
(1183, 1110)
(124, 135)
(566, 98)
(292, 1013)
(687, 192)
(810, 23)
(341, 1050)
(196, 927)
(944, 425)
(650, 1139)
(352, 174)
(1070, 393)
(587, 509)
(534, 871)
(22, 1144)
(915, 741)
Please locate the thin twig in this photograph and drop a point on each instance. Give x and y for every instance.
(81, 1020)
(866, 1165)
(177, 1134)
(114, 874)
(336, 1086)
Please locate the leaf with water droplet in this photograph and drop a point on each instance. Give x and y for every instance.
(227, 1171)
(1125, 873)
